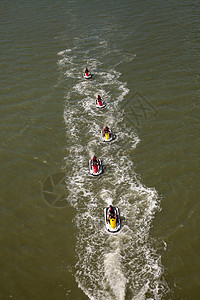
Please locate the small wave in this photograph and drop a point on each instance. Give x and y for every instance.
(64, 51)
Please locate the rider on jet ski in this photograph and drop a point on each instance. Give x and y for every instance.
(95, 161)
(111, 213)
(99, 100)
(86, 71)
(106, 130)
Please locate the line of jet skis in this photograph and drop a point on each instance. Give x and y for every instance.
(111, 213)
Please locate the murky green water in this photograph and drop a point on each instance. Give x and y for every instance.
(144, 58)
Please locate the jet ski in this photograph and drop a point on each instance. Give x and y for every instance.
(112, 222)
(100, 103)
(107, 137)
(95, 169)
(87, 75)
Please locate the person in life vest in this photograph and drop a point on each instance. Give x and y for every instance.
(106, 130)
(95, 161)
(86, 72)
(111, 213)
(111, 210)
(99, 101)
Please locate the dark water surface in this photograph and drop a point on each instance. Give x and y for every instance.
(145, 60)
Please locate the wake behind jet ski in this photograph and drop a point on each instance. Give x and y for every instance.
(95, 166)
(87, 74)
(107, 135)
(112, 218)
(100, 103)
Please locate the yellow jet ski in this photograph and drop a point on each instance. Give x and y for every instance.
(108, 136)
(112, 219)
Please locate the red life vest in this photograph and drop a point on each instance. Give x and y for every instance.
(111, 210)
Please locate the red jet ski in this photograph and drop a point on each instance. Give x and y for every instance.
(95, 168)
(100, 103)
(87, 74)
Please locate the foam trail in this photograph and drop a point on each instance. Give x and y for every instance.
(114, 274)
(124, 265)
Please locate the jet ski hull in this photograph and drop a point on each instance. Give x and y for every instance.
(108, 224)
(101, 106)
(87, 76)
(92, 171)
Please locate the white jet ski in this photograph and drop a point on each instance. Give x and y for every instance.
(108, 136)
(112, 222)
(95, 169)
(100, 104)
(87, 75)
